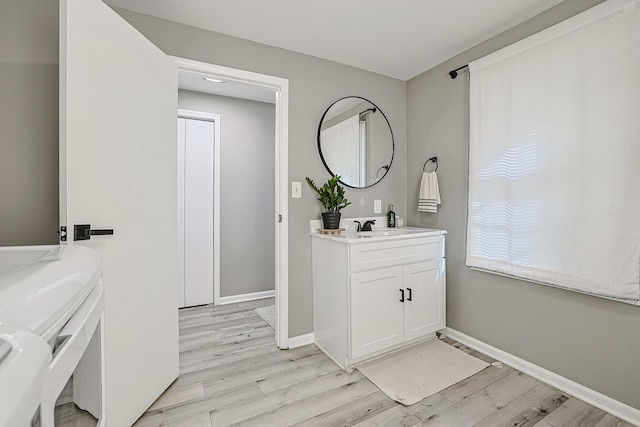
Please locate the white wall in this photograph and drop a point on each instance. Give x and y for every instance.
(247, 185)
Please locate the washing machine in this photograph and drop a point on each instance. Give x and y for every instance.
(24, 366)
(55, 293)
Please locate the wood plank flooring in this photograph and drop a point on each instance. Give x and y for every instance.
(231, 373)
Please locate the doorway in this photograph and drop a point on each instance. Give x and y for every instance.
(279, 89)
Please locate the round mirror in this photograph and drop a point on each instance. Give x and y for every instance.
(356, 142)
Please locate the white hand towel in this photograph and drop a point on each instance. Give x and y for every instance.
(429, 197)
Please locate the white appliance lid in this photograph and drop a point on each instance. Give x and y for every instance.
(42, 286)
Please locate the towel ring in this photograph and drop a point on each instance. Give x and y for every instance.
(431, 159)
(385, 167)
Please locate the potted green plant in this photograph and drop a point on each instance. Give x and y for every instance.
(331, 196)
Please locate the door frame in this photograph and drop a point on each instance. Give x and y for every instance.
(281, 220)
(215, 119)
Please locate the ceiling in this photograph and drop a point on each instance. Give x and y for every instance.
(400, 39)
(196, 82)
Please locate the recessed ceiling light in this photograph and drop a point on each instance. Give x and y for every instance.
(211, 79)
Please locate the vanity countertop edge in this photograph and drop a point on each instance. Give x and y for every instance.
(351, 237)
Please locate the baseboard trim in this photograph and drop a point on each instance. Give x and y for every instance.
(301, 340)
(592, 397)
(247, 297)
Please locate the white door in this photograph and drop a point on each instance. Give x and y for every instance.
(376, 310)
(196, 140)
(118, 103)
(424, 308)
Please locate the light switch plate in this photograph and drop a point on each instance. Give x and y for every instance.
(296, 190)
(377, 206)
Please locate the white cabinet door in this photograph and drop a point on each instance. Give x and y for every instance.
(118, 104)
(424, 308)
(376, 310)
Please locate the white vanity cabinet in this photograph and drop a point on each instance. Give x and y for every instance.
(373, 295)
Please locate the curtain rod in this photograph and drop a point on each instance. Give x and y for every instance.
(373, 110)
(454, 73)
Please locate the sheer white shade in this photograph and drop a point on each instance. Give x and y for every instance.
(554, 155)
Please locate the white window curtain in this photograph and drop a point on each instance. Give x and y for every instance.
(341, 148)
(554, 155)
(363, 154)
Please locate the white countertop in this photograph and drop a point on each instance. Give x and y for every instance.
(379, 234)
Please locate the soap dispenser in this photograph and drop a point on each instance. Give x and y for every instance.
(391, 217)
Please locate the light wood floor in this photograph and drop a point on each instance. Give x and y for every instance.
(231, 373)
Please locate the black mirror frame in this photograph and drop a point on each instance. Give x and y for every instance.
(393, 143)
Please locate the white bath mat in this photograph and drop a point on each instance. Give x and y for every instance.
(268, 313)
(413, 374)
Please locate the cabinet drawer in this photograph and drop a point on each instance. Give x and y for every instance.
(386, 254)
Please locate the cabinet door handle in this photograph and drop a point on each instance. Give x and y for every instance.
(401, 295)
(409, 297)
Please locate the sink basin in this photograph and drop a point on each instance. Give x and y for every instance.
(386, 232)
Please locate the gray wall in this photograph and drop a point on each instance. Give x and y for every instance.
(590, 340)
(28, 122)
(314, 84)
(247, 185)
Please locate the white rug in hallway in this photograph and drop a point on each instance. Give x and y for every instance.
(268, 313)
(415, 373)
